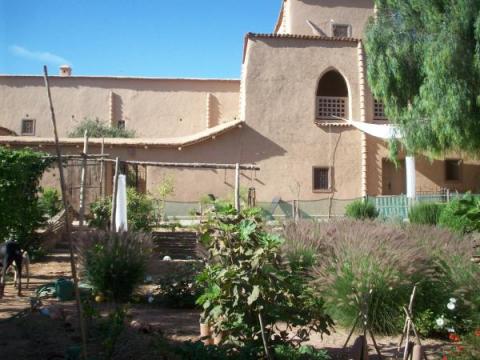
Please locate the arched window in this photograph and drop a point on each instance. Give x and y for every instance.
(332, 97)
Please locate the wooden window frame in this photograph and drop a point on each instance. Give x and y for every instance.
(33, 127)
(331, 103)
(460, 171)
(330, 179)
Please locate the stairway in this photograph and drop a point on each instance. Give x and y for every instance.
(178, 245)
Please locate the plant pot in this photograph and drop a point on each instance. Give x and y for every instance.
(217, 338)
(206, 334)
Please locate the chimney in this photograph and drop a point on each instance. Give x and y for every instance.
(65, 70)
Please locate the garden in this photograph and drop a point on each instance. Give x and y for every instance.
(260, 289)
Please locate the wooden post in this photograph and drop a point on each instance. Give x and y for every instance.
(67, 217)
(81, 212)
(102, 169)
(237, 186)
(114, 194)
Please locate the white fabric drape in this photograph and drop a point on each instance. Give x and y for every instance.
(386, 132)
(121, 223)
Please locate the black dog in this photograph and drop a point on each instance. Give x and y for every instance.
(12, 254)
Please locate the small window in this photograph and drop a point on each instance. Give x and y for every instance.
(121, 124)
(341, 30)
(28, 127)
(378, 110)
(321, 178)
(453, 170)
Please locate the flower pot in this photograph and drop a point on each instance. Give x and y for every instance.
(217, 338)
(205, 334)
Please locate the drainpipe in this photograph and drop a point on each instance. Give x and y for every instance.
(363, 118)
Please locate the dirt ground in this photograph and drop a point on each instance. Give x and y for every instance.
(27, 335)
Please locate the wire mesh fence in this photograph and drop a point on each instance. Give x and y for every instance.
(389, 207)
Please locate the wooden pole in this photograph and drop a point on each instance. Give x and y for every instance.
(67, 217)
(237, 186)
(81, 212)
(264, 339)
(114, 194)
(102, 168)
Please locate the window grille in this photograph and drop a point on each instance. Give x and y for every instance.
(330, 107)
(378, 110)
(321, 178)
(28, 127)
(341, 30)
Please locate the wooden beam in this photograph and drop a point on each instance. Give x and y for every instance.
(213, 166)
(114, 194)
(237, 186)
(81, 211)
(68, 233)
(102, 169)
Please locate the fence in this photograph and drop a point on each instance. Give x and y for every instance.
(393, 207)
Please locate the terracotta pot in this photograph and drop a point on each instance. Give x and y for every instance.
(206, 334)
(217, 338)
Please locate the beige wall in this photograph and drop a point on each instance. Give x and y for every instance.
(281, 81)
(320, 12)
(430, 175)
(154, 108)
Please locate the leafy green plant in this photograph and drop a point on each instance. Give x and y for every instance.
(179, 289)
(114, 263)
(140, 212)
(165, 189)
(20, 213)
(112, 328)
(50, 202)
(100, 213)
(462, 215)
(425, 213)
(98, 129)
(247, 281)
(361, 210)
(304, 352)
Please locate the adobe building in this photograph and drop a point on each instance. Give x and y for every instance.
(283, 114)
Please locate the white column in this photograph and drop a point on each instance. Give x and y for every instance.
(411, 176)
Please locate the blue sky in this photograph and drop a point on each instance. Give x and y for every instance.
(178, 38)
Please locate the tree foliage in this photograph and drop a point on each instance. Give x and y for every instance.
(20, 173)
(423, 60)
(99, 129)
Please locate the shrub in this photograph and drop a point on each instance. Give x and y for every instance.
(365, 267)
(425, 213)
(179, 289)
(361, 210)
(354, 257)
(140, 212)
(248, 278)
(461, 215)
(114, 263)
(20, 213)
(98, 129)
(50, 202)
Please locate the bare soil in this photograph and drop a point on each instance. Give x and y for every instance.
(31, 335)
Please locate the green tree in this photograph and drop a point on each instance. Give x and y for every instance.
(423, 59)
(20, 213)
(99, 129)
